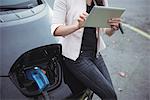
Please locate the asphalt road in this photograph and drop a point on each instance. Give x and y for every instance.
(137, 12)
(129, 53)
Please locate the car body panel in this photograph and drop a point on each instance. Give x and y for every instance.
(22, 35)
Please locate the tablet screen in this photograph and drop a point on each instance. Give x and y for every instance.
(100, 15)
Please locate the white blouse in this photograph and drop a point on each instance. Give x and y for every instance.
(65, 12)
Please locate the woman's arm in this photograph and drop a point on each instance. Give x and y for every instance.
(64, 30)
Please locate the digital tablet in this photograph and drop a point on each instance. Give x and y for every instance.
(100, 15)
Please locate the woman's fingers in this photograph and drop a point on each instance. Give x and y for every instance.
(114, 23)
(80, 19)
(83, 16)
(116, 19)
(114, 28)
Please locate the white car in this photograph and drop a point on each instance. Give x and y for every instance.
(26, 42)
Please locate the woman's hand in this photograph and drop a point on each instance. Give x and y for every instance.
(114, 23)
(82, 18)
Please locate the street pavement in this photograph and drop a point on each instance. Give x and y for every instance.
(136, 14)
(127, 56)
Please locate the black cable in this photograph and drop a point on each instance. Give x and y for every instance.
(45, 95)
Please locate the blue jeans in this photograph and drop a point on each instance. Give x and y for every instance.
(92, 72)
